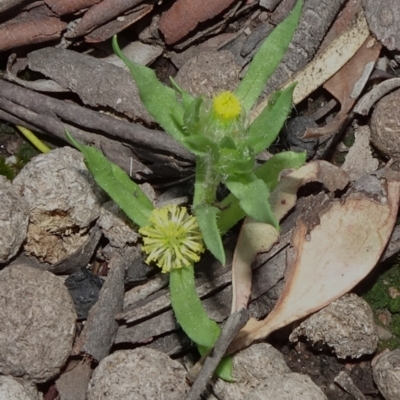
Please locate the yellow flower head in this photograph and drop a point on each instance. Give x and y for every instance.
(172, 239)
(226, 106)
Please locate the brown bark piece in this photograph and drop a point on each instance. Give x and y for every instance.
(384, 21)
(183, 17)
(101, 13)
(99, 332)
(62, 7)
(96, 82)
(117, 25)
(217, 307)
(35, 26)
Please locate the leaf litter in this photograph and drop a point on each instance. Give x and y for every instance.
(331, 248)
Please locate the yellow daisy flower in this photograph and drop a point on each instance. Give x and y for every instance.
(172, 239)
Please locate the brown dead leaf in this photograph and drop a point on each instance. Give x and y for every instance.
(184, 16)
(256, 237)
(347, 84)
(328, 260)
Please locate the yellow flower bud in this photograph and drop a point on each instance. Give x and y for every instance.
(226, 106)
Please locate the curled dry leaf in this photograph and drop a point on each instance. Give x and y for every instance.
(346, 85)
(329, 259)
(256, 237)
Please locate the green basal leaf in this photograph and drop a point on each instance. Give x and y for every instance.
(231, 212)
(225, 369)
(192, 317)
(207, 219)
(159, 100)
(188, 309)
(266, 127)
(253, 195)
(116, 183)
(267, 59)
(200, 145)
(187, 98)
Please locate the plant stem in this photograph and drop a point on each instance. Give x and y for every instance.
(206, 183)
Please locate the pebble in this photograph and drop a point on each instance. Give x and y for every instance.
(14, 217)
(142, 373)
(38, 323)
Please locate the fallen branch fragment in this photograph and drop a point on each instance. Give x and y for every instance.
(92, 120)
(99, 332)
(234, 323)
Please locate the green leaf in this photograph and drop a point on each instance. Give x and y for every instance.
(267, 59)
(253, 195)
(188, 309)
(207, 219)
(225, 367)
(192, 317)
(266, 127)
(159, 100)
(231, 212)
(116, 183)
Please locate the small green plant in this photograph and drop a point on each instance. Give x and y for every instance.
(218, 132)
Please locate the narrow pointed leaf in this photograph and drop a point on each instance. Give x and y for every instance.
(267, 59)
(159, 100)
(266, 127)
(189, 311)
(207, 220)
(192, 317)
(116, 183)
